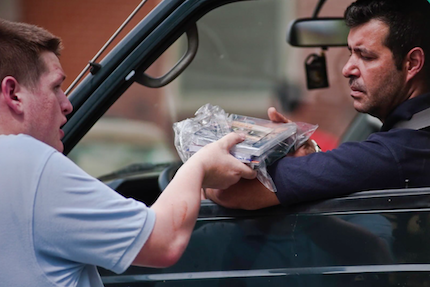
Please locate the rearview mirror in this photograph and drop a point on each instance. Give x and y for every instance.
(318, 32)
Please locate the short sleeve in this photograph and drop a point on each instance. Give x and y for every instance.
(79, 220)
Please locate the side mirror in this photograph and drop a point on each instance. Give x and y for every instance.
(318, 32)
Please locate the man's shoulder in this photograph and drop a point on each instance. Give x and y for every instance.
(23, 147)
(22, 141)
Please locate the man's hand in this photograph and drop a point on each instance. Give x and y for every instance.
(221, 169)
(307, 148)
(228, 191)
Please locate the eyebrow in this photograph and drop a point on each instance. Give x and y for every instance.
(360, 50)
(58, 80)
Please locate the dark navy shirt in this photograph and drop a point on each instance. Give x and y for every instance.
(390, 158)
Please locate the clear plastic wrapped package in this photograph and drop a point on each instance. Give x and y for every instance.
(265, 140)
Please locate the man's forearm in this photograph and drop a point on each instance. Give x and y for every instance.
(246, 194)
(176, 211)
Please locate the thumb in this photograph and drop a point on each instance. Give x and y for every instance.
(230, 140)
(247, 172)
(276, 117)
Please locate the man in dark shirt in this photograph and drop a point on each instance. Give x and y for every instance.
(388, 72)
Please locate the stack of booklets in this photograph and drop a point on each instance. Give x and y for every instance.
(265, 141)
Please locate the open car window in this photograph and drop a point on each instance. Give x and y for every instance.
(243, 65)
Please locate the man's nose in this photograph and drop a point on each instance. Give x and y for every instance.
(66, 105)
(350, 69)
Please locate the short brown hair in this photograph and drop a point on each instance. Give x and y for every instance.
(20, 47)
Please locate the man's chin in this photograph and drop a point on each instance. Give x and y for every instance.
(366, 110)
(359, 108)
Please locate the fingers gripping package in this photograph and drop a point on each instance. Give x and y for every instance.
(265, 141)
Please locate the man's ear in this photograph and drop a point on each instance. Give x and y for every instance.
(414, 62)
(10, 92)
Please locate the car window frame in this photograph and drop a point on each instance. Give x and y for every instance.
(136, 52)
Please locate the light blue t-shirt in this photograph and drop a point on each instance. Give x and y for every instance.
(57, 223)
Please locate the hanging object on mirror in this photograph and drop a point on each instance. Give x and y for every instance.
(316, 71)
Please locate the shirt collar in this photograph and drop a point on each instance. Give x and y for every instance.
(406, 110)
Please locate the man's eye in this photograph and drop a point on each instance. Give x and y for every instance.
(366, 58)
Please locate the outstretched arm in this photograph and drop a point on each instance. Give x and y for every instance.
(178, 206)
(251, 194)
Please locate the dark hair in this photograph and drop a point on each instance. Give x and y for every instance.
(20, 48)
(408, 22)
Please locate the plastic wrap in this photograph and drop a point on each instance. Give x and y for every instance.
(265, 141)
